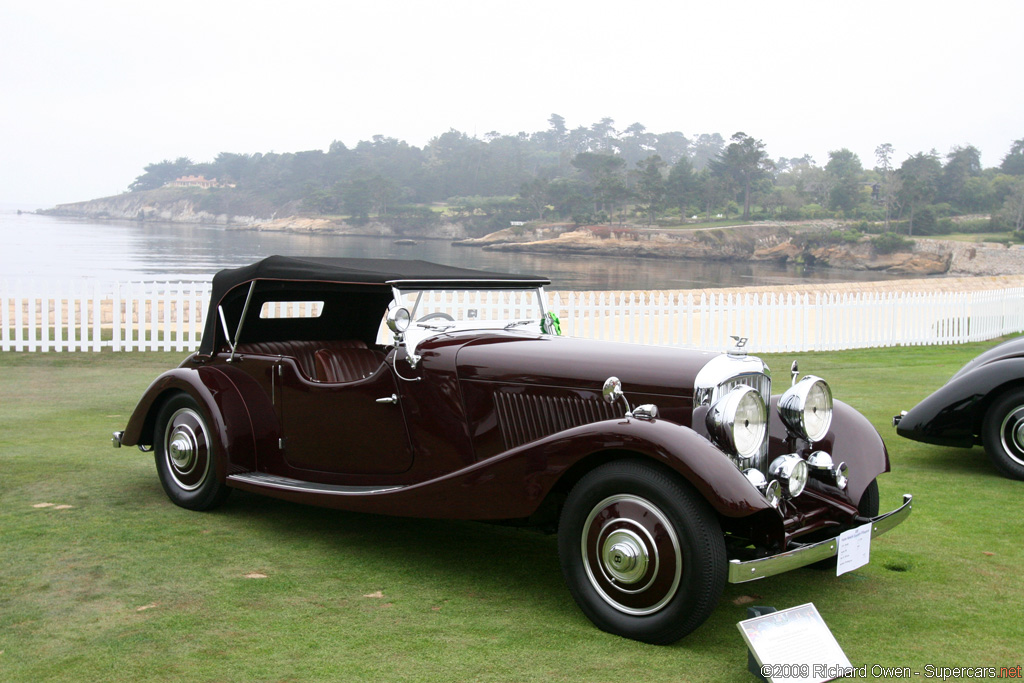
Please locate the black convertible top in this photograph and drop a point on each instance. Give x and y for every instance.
(365, 271)
(373, 277)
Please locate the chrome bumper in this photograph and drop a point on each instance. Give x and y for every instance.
(741, 572)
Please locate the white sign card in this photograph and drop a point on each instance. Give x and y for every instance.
(854, 549)
(795, 645)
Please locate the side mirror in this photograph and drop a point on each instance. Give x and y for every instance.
(612, 390)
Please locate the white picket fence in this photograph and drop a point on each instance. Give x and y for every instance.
(793, 322)
(92, 316)
(169, 317)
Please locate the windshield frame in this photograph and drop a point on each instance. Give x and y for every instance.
(532, 297)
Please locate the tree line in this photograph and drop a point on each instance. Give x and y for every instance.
(598, 174)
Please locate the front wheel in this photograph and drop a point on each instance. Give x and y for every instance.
(1002, 434)
(641, 552)
(186, 456)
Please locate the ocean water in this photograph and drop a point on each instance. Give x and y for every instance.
(45, 248)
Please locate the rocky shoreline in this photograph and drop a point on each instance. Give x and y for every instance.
(768, 241)
(786, 243)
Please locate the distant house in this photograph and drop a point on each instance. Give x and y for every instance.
(194, 181)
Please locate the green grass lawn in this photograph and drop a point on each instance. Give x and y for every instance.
(124, 586)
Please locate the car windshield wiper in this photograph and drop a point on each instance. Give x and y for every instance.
(437, 327)
(517, 323)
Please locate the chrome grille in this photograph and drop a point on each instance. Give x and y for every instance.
(762, 383)
(722, 374)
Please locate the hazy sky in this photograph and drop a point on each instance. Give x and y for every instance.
(91, 92)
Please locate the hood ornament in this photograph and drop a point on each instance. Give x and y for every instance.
(739, 350)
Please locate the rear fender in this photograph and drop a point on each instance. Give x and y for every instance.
(952, 415)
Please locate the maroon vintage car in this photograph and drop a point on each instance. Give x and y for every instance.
(410, 388)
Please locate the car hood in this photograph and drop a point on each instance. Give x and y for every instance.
(517, 358)
(1013, 348)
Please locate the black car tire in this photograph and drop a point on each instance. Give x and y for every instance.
(1002, 434)
(868, 505)
(641, 552)
(186, 455)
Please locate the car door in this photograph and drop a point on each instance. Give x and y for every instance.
(352, 427)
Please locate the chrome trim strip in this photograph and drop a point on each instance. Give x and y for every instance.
(741, 572)
(272, 481)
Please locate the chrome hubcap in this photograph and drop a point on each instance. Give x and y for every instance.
(625, 556)
(1011, 433)
(181, 452)
(631, 554)
(187, 449)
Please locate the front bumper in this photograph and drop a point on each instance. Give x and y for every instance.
(741, 572)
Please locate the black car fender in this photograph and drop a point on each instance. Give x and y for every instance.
(952, 415)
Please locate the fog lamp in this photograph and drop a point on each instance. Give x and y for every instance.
(841, 474)
(820, 461)
(756, 479)
(791, 473)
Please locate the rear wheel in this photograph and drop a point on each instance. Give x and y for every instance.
(641, 552)
(1002, 434)
(186, 456)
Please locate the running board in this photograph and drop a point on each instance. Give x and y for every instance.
(272, 481)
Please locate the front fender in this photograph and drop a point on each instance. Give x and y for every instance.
(514, 483)
(231, 423)
(952, 415)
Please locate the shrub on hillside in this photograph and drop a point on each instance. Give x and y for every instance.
(890, 242)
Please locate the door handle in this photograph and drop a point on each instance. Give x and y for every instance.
(393, 398)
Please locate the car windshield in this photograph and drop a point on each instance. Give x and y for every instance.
(433, 311)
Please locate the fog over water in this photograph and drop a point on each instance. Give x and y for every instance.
(44, 248)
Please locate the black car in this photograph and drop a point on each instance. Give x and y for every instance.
(983, 404)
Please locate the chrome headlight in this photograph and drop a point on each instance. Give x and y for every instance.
(806, 408)
(791, 472)
(771, 490)
(820, 465)
(737, 422)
